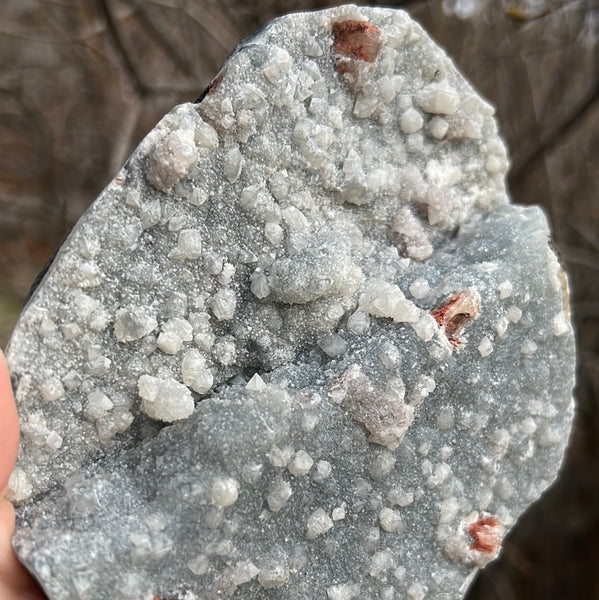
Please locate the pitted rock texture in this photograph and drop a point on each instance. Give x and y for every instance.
(302, 346)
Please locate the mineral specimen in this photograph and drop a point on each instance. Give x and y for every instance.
(302, 346)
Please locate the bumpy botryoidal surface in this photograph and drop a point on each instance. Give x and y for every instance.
(302, 347)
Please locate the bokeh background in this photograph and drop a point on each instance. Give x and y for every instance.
(82, 81)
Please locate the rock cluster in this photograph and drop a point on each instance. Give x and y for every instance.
(301, 346)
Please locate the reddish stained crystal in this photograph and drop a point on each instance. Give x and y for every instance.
(215, 83)
(486, 534)
(119, 179)
(357, 39)
(212, 87)
(455, 313)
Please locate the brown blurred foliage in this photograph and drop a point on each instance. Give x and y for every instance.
(82, 81)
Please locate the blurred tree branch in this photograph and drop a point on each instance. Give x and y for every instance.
(552, 138)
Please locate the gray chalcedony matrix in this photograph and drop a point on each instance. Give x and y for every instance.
(302, 346)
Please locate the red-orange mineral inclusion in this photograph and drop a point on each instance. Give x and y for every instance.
(357, 39)
(485, 533)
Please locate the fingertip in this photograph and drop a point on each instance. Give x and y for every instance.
(7, 521)
(9, 425)
(15, 581)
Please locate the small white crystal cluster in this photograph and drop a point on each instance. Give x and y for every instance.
(313, 282)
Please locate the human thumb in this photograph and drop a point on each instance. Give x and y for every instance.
(9, 426)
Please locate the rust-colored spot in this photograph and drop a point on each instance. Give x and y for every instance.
(212, 87)
(215, 82)
(455, 313)
(119, 179)
(486, 534)
(357, 39)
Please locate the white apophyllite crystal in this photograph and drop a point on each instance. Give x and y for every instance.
(301, 464)
(53, 440)
(150, 213)
(242, 573)
(382, 465)
(417, 591)
(273, 575)
(358, 322)
(422, 387)
(277, 495)
(426, 327)
(560, 324)
(255, 384)
(71, 331)
(189, 243)
(205, 135)
(223, 304)
(501, 326)
(438, 100)
(195, 372)
(226, 275)
(413, 235)
(164, 399)
(505, 289)
(383, 299)
(279, 63)
(134, 322)
(52, 389)
(382, 562)
(259, 286)
(174, 332)
(343, 591)
(528, 348)
(199, 565)
(116, 421)
(318, 524)
(225, 492)
(99, 366)
(225, 350)
(485, 347)
(419, 288)
(411, 121)
(97, 406)
(445, 418)
(321, 267)
(332, 345)
(389, 519)
(19, 486)
(280, 457)
(338, 513)
(438, 127)
(233, 163)
(274, 233)
(514, 314)
(323, 470)
(172, 159)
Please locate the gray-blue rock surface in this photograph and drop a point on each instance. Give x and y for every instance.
(302, 346)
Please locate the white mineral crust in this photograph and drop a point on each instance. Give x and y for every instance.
(303, 346)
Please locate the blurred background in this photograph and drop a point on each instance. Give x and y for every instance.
(82, 81)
